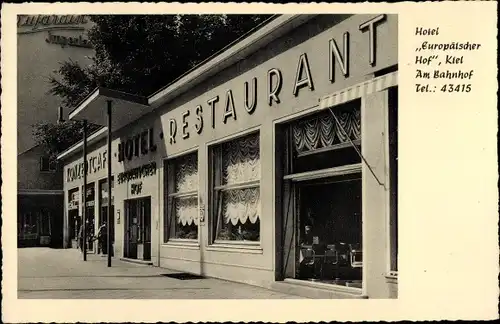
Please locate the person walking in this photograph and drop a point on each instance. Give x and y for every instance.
(101, 237)
(80, 238)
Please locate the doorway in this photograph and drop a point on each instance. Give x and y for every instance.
(138, 229)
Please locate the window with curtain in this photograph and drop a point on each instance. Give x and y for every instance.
(182, 198)
(319, 141)
(322, 192)
(236, 190)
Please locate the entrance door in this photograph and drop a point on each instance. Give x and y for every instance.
(90, 219)
(138, 228)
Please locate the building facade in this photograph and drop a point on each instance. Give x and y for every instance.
(43, 42)
(272, 164)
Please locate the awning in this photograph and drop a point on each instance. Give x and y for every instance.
(125, 108)
(359, 90)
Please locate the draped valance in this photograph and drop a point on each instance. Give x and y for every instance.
(185, 176)
(241, 160)
(241, 165)
(186, 173)
(241, 205)
(321, 130)
(186, 210)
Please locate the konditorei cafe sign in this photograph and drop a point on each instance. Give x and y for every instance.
(95, 163)
(224, 109)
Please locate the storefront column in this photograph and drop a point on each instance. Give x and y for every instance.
(66, 234)
(84, 196)
(110, 216)
(373, 112)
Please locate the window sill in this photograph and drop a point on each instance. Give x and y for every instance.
(331, 287)
(236, 247)
(391, 277)
(183, 244)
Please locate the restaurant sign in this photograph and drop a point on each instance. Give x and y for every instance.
(225, 108)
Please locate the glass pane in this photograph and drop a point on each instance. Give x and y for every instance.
(186, 218)
(186, 173)
(322, 130)
(241, 160)
(330, 231)
(240, 213)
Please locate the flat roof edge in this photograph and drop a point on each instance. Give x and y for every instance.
(249, 44)
(109, 93)
(75, 148)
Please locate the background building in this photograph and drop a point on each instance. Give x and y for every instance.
(43, 42)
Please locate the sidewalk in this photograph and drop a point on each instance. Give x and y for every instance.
(49, 273)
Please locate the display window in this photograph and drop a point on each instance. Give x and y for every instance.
(236, 190)
(323, 196)
(182, 220)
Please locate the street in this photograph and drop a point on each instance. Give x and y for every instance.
(51, 273)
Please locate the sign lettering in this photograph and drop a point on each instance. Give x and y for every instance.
(50, 20)
(143, 171)
(68, 41)
(226, 110)
(140, 144)
(94, 164)
(136, 188)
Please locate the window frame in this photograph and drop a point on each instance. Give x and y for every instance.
(168, 211)
(392, 128)
(51, 164)
(214, 207)
(296, 178)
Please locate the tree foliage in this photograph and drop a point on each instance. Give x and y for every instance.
(139, 54)
(55, 138)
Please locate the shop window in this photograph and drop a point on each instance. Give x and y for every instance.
(236, 190)
(74, 219)
(323, 141)
(47, 164)
(29, 226)
(182, 198)
(103, 207)
(322, 190)
(45, 222)
(393, 177)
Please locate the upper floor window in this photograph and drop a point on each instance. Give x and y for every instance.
(47, 164)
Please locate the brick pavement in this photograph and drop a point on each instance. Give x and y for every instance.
(49, 273)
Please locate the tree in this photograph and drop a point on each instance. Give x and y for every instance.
(139, 55)
(55, 138)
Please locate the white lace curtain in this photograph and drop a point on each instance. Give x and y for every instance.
(241, 160)
(240, 165)
(186, 210)
(241, 205)
(322, 130)
(185, 174)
